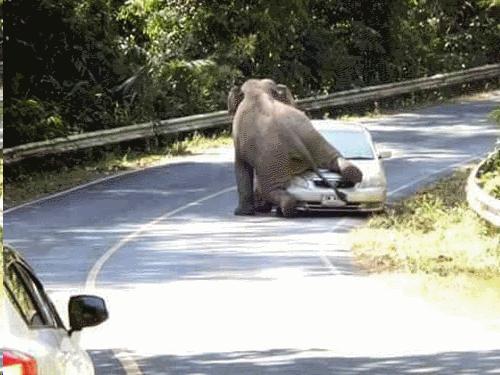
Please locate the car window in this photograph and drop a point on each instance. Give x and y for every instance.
(22, 299)
(41, 297)
(28, 296)
(351, 144)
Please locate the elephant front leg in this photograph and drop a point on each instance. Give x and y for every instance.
(244, 181)
(347, 169)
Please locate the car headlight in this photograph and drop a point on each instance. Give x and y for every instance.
(372, 181)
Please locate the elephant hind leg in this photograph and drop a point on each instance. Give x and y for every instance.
(285, 201)
(244, 180)
(261, 205)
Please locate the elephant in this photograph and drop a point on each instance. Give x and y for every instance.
(275, 141)
(235, 97)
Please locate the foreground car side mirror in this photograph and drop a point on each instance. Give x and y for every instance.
(384, 154)
(86, 311)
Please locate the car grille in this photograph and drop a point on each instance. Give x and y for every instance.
(350, 206)
(336, 183)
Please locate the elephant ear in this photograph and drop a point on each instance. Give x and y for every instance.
(283, 94)
(234, 99)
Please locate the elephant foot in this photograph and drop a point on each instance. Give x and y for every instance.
(244, 211)
(285, 201)
(352, 174)
(263, 207)
(348, 170)
(287, 206)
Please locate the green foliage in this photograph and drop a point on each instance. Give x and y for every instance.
(96, 64)
(35, 119)
(489, 175)
(495, 114)
(1, 30)
(66, 63)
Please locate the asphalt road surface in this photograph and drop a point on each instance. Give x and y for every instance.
(192, 289)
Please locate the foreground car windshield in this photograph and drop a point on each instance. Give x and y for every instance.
(351, 144)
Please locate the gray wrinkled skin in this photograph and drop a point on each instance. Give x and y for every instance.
(276, 141)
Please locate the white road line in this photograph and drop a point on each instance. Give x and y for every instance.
(76, 188)
(94, 272)
(103, 179)
(324, 257)
(128, 364)
(328, 263)
(449, 167)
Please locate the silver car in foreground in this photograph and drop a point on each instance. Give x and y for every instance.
(33, 339)
(355, 143)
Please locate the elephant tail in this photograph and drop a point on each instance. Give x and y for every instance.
(341, 195)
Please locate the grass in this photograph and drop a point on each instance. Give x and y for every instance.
(29, 186)
(489, 178)
(495, 115)
(431, 233)
(461, 295)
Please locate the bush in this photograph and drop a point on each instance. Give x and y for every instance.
(489, 175)
(97, 64)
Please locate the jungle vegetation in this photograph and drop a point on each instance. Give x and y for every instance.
(77, 66)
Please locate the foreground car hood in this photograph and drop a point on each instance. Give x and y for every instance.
(369, 168)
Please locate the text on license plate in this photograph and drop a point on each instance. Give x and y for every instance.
(329, 199)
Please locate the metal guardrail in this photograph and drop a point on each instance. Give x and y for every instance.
(484, 204)
(221, 118)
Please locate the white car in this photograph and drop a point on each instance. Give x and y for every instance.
(355, 144)
(33, 338)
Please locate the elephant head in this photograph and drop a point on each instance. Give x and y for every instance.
(277, 91)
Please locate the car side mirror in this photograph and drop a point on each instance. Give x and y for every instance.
(384, 154)
(86, 311)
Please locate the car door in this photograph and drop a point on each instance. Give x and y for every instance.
(60, 355)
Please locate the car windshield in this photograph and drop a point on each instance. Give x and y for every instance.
(351, 144)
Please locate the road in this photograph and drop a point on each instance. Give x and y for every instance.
(192, 289)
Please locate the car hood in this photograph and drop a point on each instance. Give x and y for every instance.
(369, 168)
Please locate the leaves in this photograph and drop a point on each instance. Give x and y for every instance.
(489, 175)
(108, 63)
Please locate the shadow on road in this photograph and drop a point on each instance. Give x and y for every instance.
(314, 361)
(195, 248)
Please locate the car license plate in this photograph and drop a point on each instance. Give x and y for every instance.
(330, 200)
